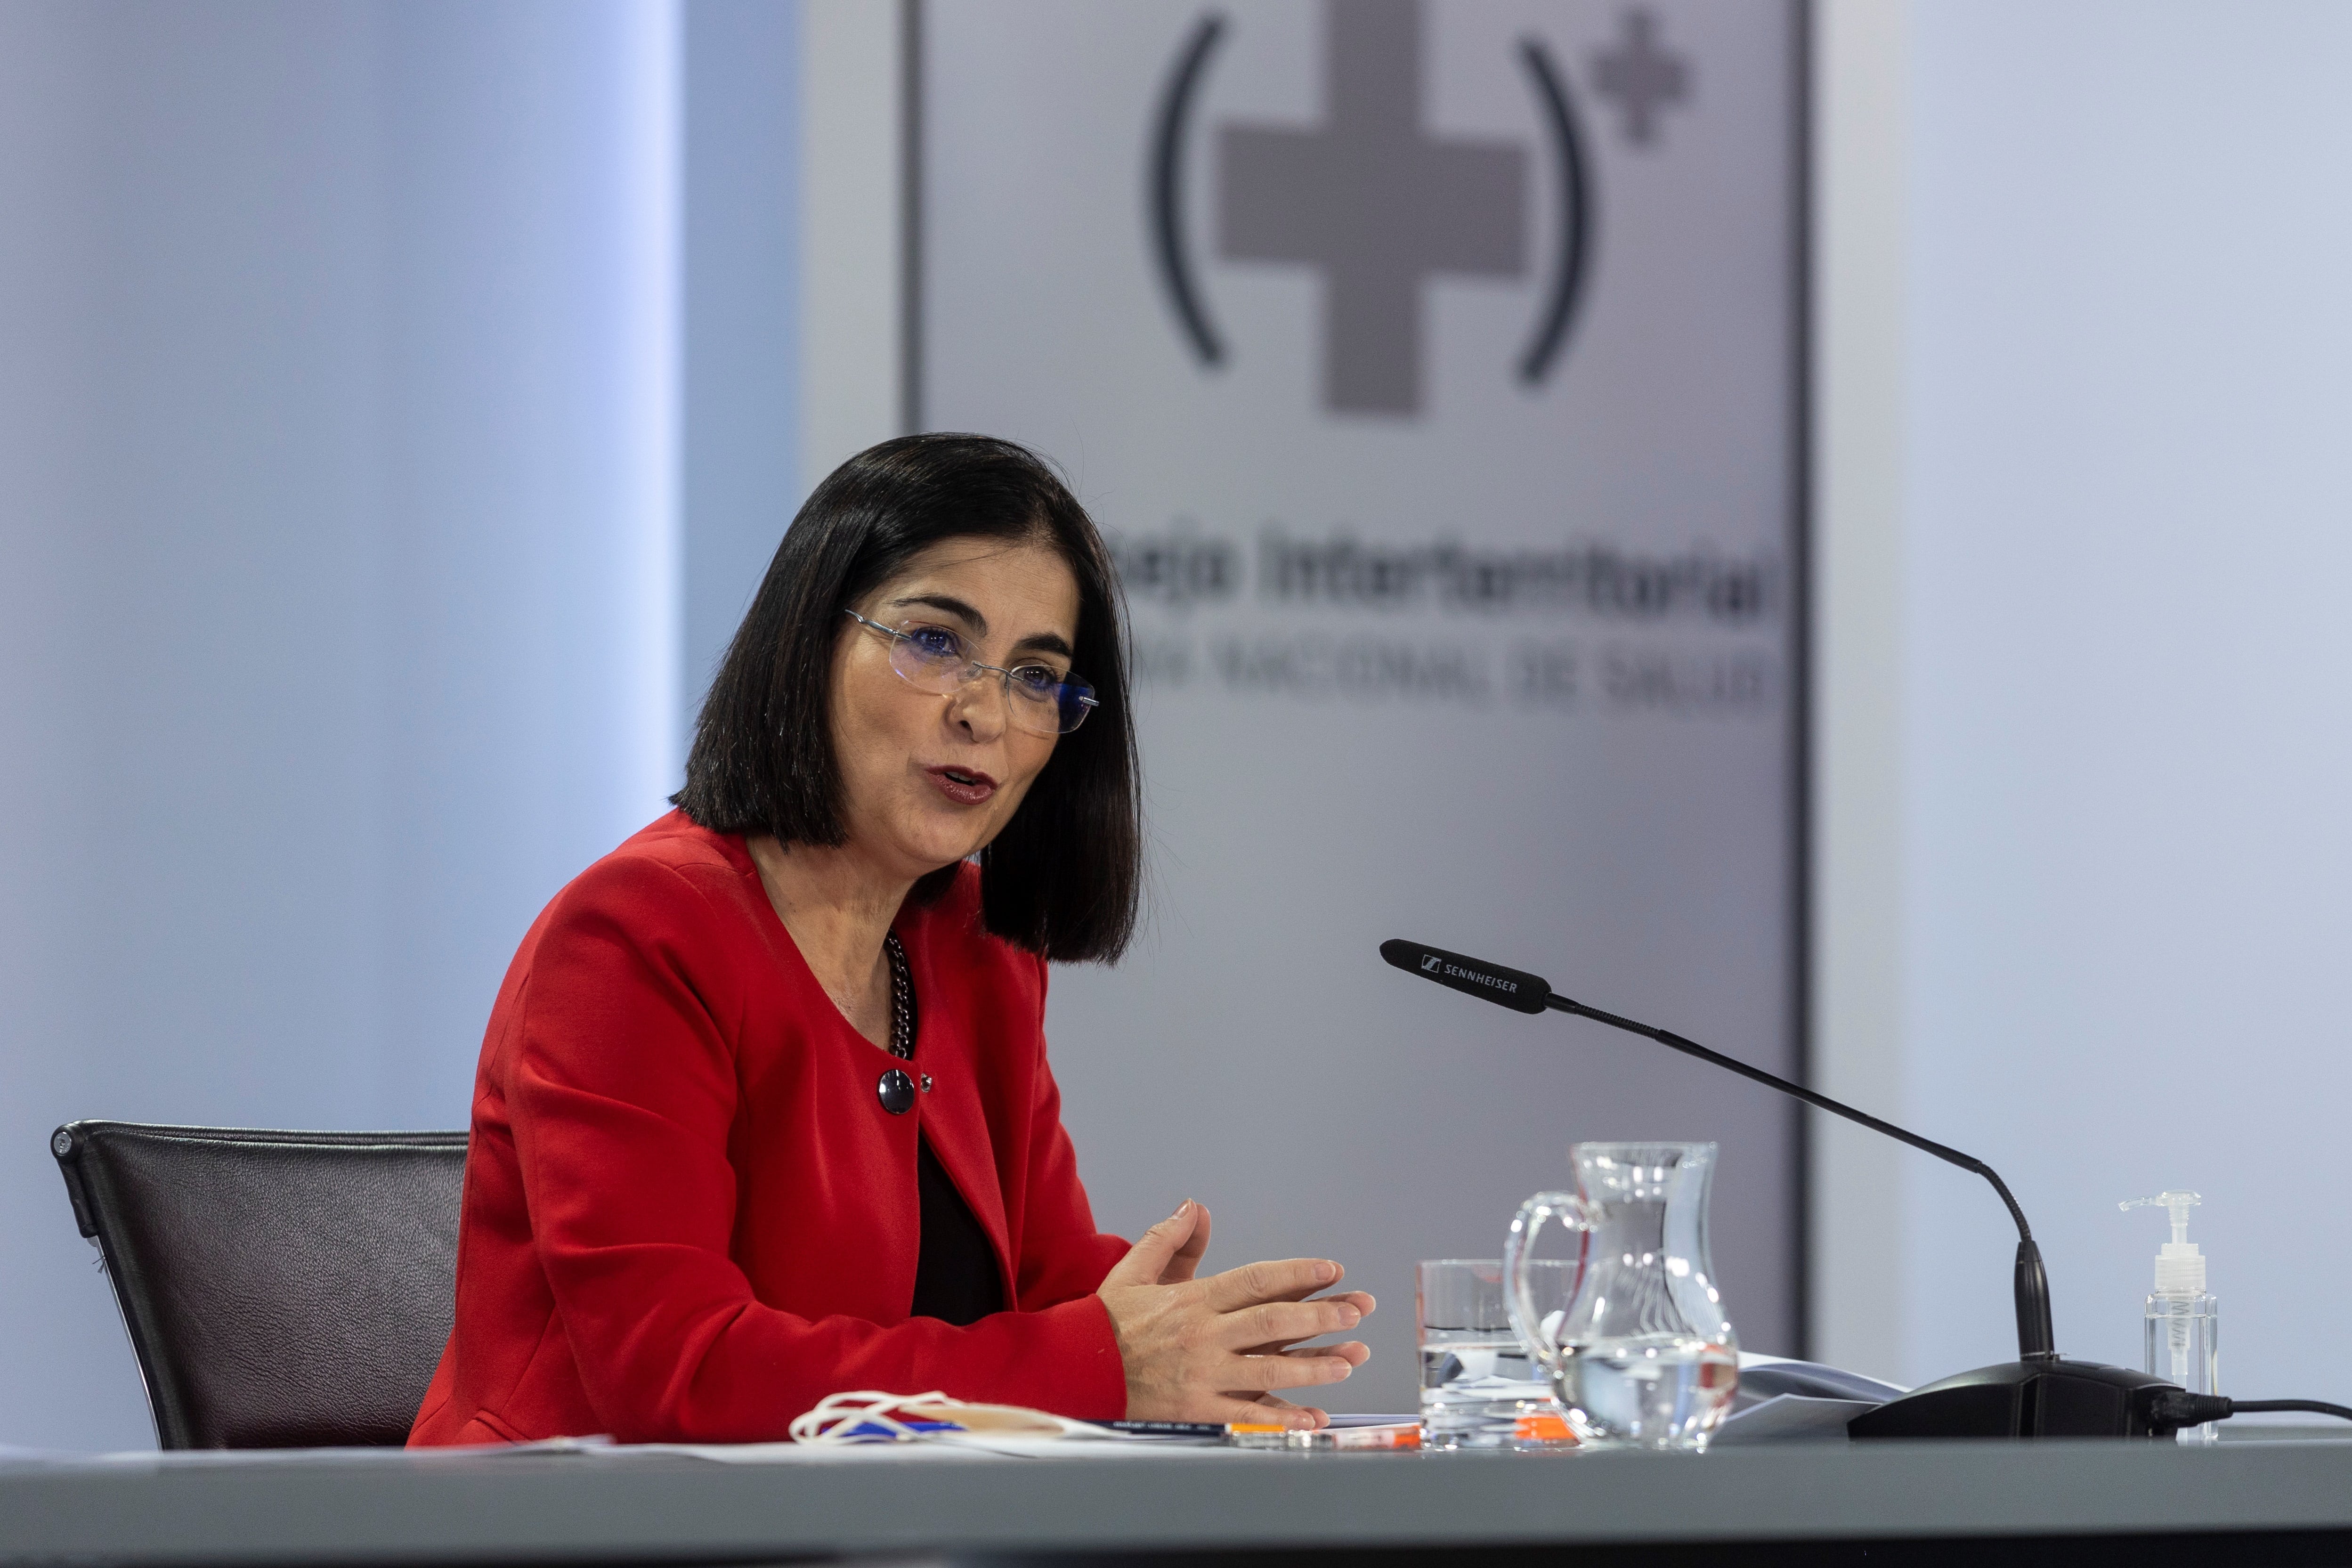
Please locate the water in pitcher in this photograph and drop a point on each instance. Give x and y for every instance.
(1654, 1390)
(1484, 1391)
(1644, 1355)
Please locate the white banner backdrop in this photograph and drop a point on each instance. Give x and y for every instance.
(1435, 367)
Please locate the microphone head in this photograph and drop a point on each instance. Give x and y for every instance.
(1512, 988)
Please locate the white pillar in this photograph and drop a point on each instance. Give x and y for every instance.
(338, 617)
(1861, 80)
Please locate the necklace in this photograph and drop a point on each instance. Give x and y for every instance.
(902, 998)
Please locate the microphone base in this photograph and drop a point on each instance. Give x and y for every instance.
(2045, 1397)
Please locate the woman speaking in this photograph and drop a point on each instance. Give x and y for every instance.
(764, 1110)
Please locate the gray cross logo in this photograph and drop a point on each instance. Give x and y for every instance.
(1372, 203)
(1641, 77)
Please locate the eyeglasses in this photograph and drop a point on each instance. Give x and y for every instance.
(933, 659)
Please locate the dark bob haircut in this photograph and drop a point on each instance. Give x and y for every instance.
(1062, 878)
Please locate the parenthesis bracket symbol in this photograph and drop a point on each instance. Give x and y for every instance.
(1168, 144)
(1575, 204)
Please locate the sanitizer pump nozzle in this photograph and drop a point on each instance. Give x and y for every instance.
(2183, 1323)
(2180, 1267)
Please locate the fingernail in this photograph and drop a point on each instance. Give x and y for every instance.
(1349, 1317)
(1182, 1209)
(1325, 1272)
(1344, 1369)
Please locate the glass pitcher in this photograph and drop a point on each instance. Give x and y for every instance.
(1643, 1356)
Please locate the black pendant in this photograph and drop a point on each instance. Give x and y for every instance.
(898, 1092)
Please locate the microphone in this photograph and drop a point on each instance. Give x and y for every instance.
(2039, 1395)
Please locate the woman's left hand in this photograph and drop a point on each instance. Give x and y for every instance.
(1179, 1269)
(1354, 1353)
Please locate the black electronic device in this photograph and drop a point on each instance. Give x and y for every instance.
(2040, 1394)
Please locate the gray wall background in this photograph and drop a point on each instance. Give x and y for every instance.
(340, 622)
(740, 297)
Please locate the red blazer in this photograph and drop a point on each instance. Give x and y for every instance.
(688, 1216)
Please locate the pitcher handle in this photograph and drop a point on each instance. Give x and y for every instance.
(1573, 1213)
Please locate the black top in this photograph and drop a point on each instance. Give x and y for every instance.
(956, 1277)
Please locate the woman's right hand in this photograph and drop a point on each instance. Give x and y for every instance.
(1216, 1349)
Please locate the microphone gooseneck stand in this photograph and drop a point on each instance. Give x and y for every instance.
(2035, 1338)
(2040, 1394)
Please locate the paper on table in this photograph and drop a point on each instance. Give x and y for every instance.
(1789, 1419)
(1762, 1376)
(946, 1448)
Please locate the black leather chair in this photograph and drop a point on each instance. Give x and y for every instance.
(281, 1289)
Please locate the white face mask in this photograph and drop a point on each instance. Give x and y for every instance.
(868, 1417)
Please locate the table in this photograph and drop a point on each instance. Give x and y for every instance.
(2074, 1502)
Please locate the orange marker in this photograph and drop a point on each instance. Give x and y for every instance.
(1542, 1429)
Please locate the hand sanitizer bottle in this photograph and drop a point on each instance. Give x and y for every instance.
(2184, 1323)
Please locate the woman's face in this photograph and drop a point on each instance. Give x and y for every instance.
(929, 779)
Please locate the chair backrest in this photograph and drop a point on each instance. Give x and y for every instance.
(281, 1289)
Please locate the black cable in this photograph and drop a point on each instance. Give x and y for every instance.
(2315, 1406)
(2170, 1409)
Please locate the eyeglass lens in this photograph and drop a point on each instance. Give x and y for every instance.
(933, 659)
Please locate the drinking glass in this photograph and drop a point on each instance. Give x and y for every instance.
(1480, 1387)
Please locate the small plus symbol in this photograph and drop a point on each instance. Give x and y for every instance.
(1640, 77)
(1372, 203)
